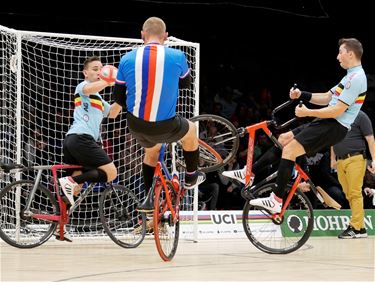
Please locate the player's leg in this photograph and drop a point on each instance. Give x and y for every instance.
(193, 177)
(92, 157)
(148, 169)
(274, 202)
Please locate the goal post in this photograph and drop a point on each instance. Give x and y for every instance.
(39, 72)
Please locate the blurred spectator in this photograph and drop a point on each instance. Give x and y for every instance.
(208, 191)
(369, 189)
(230, 191)
(225, 98)
(217, 108)
(319, 170)
(351, 168)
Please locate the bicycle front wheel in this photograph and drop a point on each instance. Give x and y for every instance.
(120, 218)
(166, 229)
(278, 237)
(221, 137)
(19, 228)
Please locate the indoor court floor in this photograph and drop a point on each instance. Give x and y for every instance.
(320, 259)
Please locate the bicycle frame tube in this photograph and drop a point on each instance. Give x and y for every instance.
(27, 211)
(63, 218)
(81, 197)
(159, 176)
(32, 193)
(164, 177)
(54, 169)
(251, 130)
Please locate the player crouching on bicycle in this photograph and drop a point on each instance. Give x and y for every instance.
(80, 144)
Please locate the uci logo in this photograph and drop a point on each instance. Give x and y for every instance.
(223, 218)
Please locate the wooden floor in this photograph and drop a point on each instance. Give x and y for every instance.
(321, 259)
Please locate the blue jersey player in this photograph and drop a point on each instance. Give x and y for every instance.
(148, 83)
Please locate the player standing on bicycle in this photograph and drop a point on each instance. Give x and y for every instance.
(80, 144)
(148, 79)
(331, 124)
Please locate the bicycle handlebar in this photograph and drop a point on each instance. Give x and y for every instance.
(242, 130)
(273, 119)
(282, 106)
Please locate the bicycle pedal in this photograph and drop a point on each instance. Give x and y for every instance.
(246, 194)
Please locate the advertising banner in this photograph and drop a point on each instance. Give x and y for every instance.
(228, 224)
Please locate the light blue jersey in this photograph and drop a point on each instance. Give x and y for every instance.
(352, 91)
(89, 112)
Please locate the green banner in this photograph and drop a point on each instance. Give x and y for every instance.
(326, 222)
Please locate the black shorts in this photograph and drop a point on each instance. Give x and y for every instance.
(319, 135)
(148, 134)
(82, 149)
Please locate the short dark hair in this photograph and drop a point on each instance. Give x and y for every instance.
(154, 26)
(352, 44)
(89, 60)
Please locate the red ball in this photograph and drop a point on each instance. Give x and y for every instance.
(108, 73)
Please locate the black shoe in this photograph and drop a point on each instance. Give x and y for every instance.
(351, 233)
(66, 236)
(192, 180)
(147, 205)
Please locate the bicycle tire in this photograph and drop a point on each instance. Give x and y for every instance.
(22, 231)
(120, 218)
(278, 238)
(166, 231)
(225, 142)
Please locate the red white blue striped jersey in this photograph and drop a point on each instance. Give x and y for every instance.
(151, 74)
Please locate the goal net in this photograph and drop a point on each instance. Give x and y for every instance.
(39, 72)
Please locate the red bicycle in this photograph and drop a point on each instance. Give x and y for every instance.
(30, 213)
(279, 233)
(168, 187)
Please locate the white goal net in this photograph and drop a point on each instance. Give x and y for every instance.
(39, 72)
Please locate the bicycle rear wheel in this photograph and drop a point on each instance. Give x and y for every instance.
(166, 230)
(282, 237)
(120, 218)
(221, 136)
(21, 230)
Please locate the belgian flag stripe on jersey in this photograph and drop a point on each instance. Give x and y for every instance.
(96, 102)
(77, 100)
(339, 89)
(361, 98)
(94, 97)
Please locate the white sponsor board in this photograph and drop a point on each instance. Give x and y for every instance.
(228, 224)
(220, 224)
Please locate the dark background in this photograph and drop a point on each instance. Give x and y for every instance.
(244, 44)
